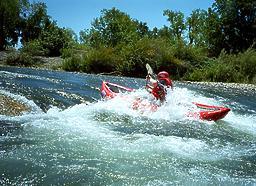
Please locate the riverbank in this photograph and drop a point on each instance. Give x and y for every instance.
(241, 86)
(49, 63)
(55, 63)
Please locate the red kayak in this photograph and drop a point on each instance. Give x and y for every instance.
(110, 90)
(208, 112)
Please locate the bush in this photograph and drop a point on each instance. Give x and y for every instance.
(239, 68)
(72, 63)
(100, 60)
(34, 48)
(126, 59)
(20, 59)
(77, 49)
(156, 52)
(191, 54)
(135, 56)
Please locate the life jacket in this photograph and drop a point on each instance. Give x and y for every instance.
(159, 92)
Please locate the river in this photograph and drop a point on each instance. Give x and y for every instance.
(71, 137)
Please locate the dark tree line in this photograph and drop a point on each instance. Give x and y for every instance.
(19, 19)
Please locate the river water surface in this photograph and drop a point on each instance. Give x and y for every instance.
(70, 136)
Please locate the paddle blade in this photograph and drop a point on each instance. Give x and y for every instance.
(149, 69)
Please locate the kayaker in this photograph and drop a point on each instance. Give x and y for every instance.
(157, 87)
(164, 78)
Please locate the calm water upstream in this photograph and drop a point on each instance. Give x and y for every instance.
(72, 137)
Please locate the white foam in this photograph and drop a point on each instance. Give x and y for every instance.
(178, 104)
(245, 122)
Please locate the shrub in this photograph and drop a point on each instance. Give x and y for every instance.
(100, 60)
(156, 52)
(34, 48)
(20, 59)
(72, 63)
(239, 68)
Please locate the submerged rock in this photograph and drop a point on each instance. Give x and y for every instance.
(11, 107)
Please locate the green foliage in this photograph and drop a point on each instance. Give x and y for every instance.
(189, 53)
(197, 28)
(156, 52)
(136, 56)
(34, 48)
(112, 28)
(76, 49)
(228, 68)
(19, 18)
(20, 59)
(116, 42)
(34, 22)
(130, 60)
(72, 63)
(177, 23)
(234, 24)
(51, 42)
(9, 22)
(100, 60)
(54, 39)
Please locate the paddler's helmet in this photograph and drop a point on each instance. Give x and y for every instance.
(164, 78)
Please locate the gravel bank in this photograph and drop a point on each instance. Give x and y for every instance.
(241, 86)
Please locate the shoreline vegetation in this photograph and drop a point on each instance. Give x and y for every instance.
(208, 46)
(55, 63)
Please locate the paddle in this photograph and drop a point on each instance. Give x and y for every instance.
(150, 71)
(153, 75)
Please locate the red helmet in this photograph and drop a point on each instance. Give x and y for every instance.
(164, 79)
(163, 74)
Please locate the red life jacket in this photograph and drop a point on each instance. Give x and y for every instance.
(159, 92)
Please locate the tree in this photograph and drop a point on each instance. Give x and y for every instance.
(165, 33)
(54, 39)
(237, 23)
(214, 34)
(177, 23)
(34, 21)
(142, 28)
(197, 27)
(153, 33)
(9, 21)
(111, 28)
